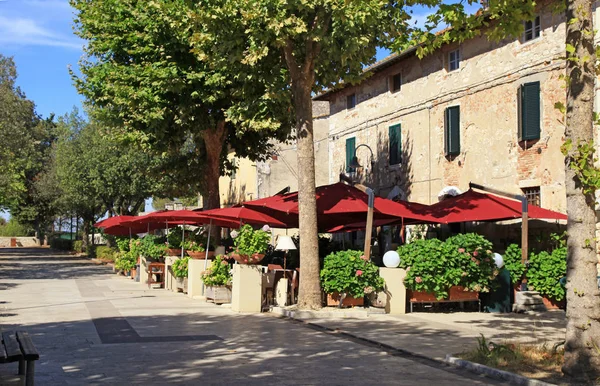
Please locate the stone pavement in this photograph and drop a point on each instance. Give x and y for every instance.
(94, 327)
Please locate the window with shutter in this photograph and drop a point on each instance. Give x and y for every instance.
(530, 112)
(350, 147)
(395, 144)
(452, 131)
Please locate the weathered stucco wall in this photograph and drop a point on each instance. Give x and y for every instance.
(281, 170)
(486, 89)
(241, 186)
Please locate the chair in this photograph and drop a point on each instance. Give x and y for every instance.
(157, 269)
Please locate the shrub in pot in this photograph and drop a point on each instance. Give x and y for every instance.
(180, 271)
(151, 247)
(513, 262)
(349, 274)
(545, 271)
(217, 279)
(194, 248)
(250, 245)
(126, 261)
(433, 266)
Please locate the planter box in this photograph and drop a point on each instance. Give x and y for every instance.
(552, 304)
(456, 294)
(133, 273)
(248, 259)
(218, 294)
(200, 255)
(349, 301)
(182, 283)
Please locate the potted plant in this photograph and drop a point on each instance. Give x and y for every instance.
(250, 245)
(347, 276)
(456, 269)
(125, 262)
(544, 273)
(217, 279)
(174, 243)
(194, 249)
(152, 247)
(180, 271)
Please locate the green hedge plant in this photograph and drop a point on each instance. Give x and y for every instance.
(350, 272)
(126, 261)
(106, 253)
(545, 271)
(513, 263)
(218, 274)
(78, 246)
(180, 267)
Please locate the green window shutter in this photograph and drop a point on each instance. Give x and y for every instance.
(530, 112)
(350, 146)
(452, 131)
(395, 144)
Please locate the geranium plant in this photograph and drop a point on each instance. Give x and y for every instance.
(180, 267)
(193, 246)
(248, 241)
(218, 273)
(435, 266)
(350, 272)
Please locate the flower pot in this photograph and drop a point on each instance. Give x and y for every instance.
(349, 301)
(248, 259)
(133, 273)
(456, 293)
(218, 294)
(200, 255)
(552, 304)
(173, 252)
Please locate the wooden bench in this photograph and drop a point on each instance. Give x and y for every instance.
(18, 347)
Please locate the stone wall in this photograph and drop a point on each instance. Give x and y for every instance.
(21, 242)
(486, 88)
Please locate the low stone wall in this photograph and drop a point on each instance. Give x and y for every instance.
(21, 241)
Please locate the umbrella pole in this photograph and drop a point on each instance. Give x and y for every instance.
(207, 247)
(369, 229)
(182, 238)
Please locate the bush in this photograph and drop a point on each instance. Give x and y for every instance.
(15, 229)
(513, 263)
(106, 253)
(545, 271)
(125, 261)
(180, 267)
(150, 246)
(218, 273)
(350, 272)
(61, 244)
(248, 241)
(78, 246)
(434, 266)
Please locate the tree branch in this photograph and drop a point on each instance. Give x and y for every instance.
(288, 52)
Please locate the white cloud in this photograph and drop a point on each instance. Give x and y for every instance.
(28, 32)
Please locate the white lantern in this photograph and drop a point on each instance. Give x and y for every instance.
(391, 259)
(498, 260)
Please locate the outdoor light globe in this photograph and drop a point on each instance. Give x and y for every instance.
(498, 260)
(391, 259)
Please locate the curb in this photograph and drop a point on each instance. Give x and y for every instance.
(302, 315)
(491, 372)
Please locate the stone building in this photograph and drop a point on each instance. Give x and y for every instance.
(478, 112)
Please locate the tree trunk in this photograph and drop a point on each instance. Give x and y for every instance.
(309, 291)
(582, 344)
(214, 140)
(86, 232)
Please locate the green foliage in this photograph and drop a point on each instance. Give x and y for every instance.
(180, 267)
(14, 229)
(150, 246)
(78, 246)
(582, 161)
(123, 244)
(248, 241)
(350, 272)
(434, 266)
(106, 253)
(125, 261)
(61, 244)
(193, 246)
(218, 273)
(174, 238)
(513, 262)
(545, 271)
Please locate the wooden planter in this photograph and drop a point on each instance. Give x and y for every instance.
(552, 304)
(349, 301)
(248, 259)
(133, 273)
(173, 252)
(456, 294)
(218, 294)
(200, 255)
(182, 283)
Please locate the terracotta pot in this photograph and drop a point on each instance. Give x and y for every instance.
(552, 304)
(457, 293)
(173, 252)
(250, 260)
(334, 300)
(200, 255)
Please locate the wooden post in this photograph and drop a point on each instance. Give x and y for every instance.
(369, 226)
(524, 235)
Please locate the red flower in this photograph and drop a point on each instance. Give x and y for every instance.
(418, 279)
(359, 272)
(365, 258)
(475, 253)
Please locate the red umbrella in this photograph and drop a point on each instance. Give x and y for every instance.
(112, 221)
(178, 217)
(243, 214)
(476, 206)
(337, 205)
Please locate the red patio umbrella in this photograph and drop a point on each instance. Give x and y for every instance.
(243, 214)
(477, 206)
(338, 205)
(112, 221)
(178, 217)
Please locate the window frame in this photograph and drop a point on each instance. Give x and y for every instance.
(349, 158)
(351, 97)
(522, 111)
(397, 155)
(533, 195)
(535, 28)
(392, 81)
(456, 60)
(448, 150)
